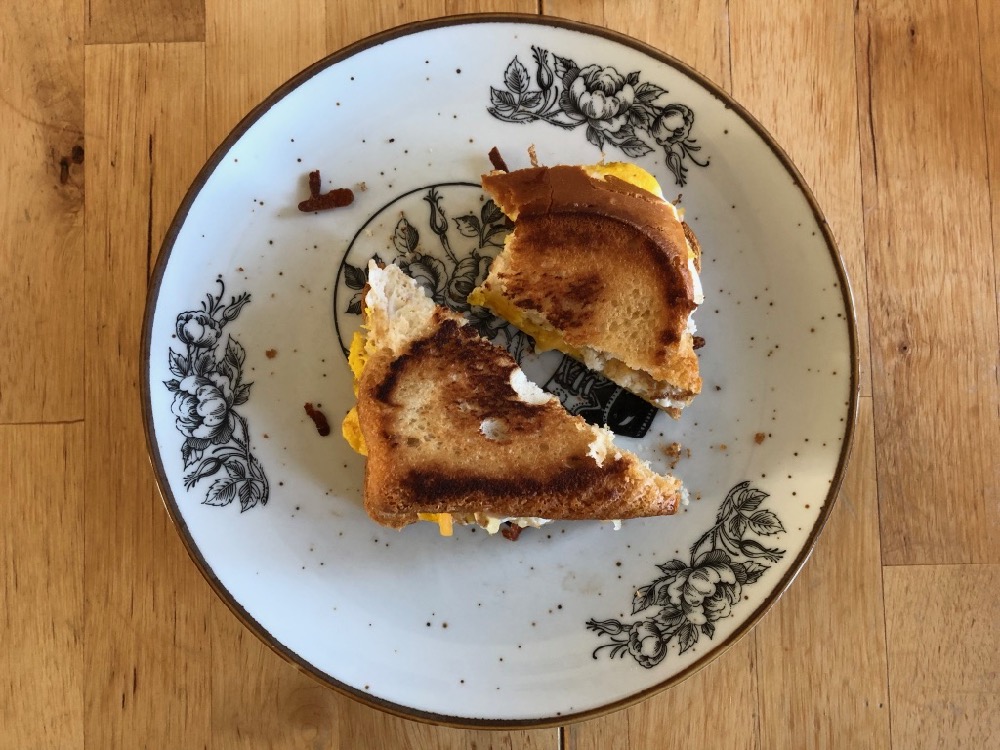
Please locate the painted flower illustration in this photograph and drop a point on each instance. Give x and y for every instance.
(207, 389)
(198, 328)
(617, 110)
(646, 643)
(689, 598)
(202, 406)
(601, 96)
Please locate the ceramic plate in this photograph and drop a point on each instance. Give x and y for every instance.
(253, 302)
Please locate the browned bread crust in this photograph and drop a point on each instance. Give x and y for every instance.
(605, 264)
(447, 432)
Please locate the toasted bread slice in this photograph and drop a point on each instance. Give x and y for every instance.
(600, 267)
(452, 428)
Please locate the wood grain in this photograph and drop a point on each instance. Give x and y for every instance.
(147, 653)
(809, 100)
(41, 596)
(989, 51)
(714, 708)
(347, 25)
(694, 31)
(252, 47)
(125, 21)
(41, 211)
(942, 627)
(842, 610)
(931, 281)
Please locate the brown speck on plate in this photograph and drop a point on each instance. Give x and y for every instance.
(271, 353)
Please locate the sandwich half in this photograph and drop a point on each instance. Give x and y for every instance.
(454, 432)
(601, 267)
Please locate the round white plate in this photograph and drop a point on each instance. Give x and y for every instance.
(252, 302)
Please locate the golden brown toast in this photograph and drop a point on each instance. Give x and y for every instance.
(452, 426)
(601, 270)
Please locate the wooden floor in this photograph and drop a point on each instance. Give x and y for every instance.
(110, 638)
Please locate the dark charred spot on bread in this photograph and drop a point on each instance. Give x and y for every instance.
(496, 160)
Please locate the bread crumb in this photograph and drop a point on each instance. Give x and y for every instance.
(361, 187)
(674, 453)
(271, 353)
(533, 155)
(722, 447)
(759, 438)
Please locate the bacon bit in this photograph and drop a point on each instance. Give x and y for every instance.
(317, 201)
(497, 161)
(319, 419)
(699, 342)
(533, 155)
(511, 531)
(271, 353)
(759, 438)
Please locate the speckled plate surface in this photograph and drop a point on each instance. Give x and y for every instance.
(253, 301)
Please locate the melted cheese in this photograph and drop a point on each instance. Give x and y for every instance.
(351, 426)
(445, 521)
(630, 173)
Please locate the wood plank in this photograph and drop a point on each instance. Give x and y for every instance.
(147, 645)
(127, 21)
(810, 100)
(714, 708)
(821, 653)
(251, 48)
(932, 294)
(41, 214)
(701, 40)
(943, 626)
(989, 50)
(347, 25)
(41, 586)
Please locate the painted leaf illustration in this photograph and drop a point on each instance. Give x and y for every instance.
(405, 238)
(204, 363)
(672, 567)
(178, 364)
(221, 492)
(501, 98)
(235, 353)
(173, 385)
(190, 454)
(354, 306)
(687, 636)
(531, 99)
(748, 498)
(490, 212)
(516, 77)
(632, 78)
(764, 522)
(643, 598)
(242, 394)
(354, 277)
(753, 571)
(251, 492)
(468, 226)
(648, 92)
(563, 66)
(634, 147)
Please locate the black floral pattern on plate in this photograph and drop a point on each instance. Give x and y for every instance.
(207, 386)
(690, 597)
(617, 110)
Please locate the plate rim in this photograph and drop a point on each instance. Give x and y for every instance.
(145, 364)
